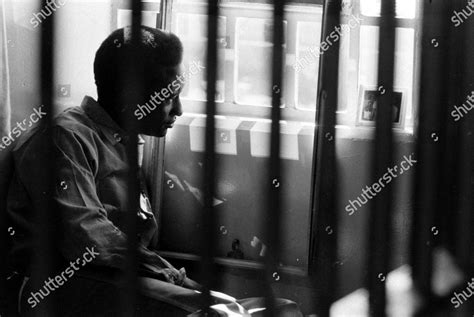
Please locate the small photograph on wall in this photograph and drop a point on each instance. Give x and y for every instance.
(368, 102)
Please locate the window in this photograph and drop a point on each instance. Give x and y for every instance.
(243, 98)
(244, 74)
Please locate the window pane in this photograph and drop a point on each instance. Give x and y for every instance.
(307, 64)
(404, 8)
(253, 58)
(192, 30)
(368, 60)
(404, 59)
(347, 71)
(124, 18)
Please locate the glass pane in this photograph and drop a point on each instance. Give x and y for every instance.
(192, 30)
(347, 71)
(307, 64)
(253, 56)
(404, 61)
(124, 18)
(404, 8)
(368, 58)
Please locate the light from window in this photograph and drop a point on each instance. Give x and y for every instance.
(253, 56)
(308, 39)
(405, 9)
(192, 30)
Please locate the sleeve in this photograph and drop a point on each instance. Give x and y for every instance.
(83, 219)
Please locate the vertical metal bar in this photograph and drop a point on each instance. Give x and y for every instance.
(210, 162)
(154, 153)
(453, 154)
(6, 167)
(323, 245)
(381, 211)
(462, 94)
(43, 263)
(272, 220)
(5, 157)
(463, 226)
(132, 72)
(430, 140)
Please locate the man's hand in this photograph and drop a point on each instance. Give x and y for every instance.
(147, 222)
(191, 284)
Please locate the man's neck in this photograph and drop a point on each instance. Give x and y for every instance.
(114, 112)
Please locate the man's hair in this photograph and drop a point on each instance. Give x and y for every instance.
(161, 53)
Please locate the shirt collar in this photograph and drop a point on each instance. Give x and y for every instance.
(103, 120)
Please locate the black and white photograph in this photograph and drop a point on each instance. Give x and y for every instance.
(369, 97)
(236, 158)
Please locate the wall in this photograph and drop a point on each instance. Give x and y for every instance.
(74, 52)
(241, 174)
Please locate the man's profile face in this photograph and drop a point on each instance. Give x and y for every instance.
(168, 106)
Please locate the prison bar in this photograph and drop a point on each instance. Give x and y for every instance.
(42, 261)
(272, 214)
(5, 164)
(432, 107)
(380, 224)
(210, 162)
(453, 152)
(323, 246)
(446, 213)
(133, 67)
(463, 235)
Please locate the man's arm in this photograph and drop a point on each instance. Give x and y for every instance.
(82, 219)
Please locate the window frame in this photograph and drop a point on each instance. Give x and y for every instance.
(260, 10)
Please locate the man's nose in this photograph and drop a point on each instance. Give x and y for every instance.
(177, 109)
